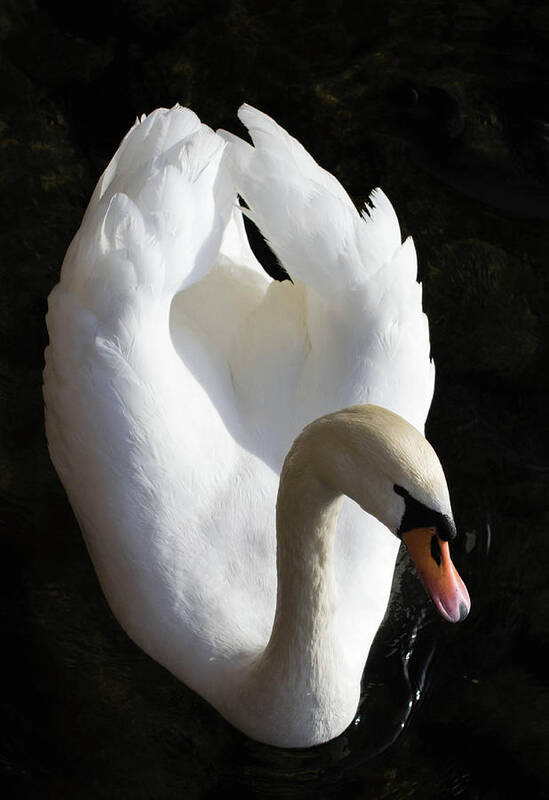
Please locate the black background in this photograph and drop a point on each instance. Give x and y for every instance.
(446, 106)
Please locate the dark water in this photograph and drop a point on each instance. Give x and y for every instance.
(446, 106)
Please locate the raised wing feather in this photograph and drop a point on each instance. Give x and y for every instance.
(359, 333)
(303, 211)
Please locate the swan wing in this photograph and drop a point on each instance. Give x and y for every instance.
(352, 329)
(169, 503)
(303, 211)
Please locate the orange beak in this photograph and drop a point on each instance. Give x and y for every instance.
(431, 556)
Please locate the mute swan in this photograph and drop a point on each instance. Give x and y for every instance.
(177, 377)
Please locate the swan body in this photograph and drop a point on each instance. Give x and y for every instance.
(177, 377)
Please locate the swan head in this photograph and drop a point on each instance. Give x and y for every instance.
(388, 467)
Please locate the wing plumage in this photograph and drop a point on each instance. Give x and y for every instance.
(364, 336)
(303, 211)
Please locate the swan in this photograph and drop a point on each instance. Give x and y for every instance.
(244, 456)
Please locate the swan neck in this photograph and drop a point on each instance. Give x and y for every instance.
(305, 684)
(303, 629)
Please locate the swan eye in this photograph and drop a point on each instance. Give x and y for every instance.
(418, 515)
(446, 528)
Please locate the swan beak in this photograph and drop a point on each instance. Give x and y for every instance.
(431, 556)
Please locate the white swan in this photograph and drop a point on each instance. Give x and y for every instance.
(177, 376)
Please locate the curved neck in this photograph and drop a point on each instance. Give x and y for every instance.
(304, 684)
(304, 687)
(304, 637)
